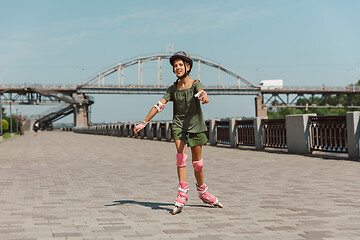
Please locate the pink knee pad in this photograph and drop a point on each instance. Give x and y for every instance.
(181, 159)
(198, 165)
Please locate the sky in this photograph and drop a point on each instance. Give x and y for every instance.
(305, 43)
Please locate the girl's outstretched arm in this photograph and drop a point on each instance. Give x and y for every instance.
(158, 107)
(203, 97)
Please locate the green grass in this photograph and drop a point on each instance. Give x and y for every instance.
(6, 135)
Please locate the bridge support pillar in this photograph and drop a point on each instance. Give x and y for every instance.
(82, 116)
(259, 109)
(81, 112)
(353, 134)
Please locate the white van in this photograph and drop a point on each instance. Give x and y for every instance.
(271, 84)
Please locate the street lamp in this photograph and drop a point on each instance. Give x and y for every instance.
(10, 119)
(17, 121)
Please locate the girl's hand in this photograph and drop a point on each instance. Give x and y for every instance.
(204, 98)
(136, 130)
(139, 127)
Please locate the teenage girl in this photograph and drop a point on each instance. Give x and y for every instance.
(188, 127)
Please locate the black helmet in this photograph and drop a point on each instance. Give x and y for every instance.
(183, 56)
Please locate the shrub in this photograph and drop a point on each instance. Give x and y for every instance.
(5, 125)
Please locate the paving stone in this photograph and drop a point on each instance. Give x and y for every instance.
(67, 235)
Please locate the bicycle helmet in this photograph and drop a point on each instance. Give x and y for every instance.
(183, 56)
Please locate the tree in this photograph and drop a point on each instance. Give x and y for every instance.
(282, 112)
(5, 125)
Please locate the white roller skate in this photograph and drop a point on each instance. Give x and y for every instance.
(206, 197)
(181, 197)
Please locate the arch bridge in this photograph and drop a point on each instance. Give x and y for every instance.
(97, 84)
(76, 100)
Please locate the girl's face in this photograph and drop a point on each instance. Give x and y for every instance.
(179, 67)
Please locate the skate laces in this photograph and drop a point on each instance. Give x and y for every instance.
(183, 193)
(184, 190)
(205, 195)
(182, 196)
(202, 189)
(184, 187)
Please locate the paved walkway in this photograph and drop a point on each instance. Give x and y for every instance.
(61, 185)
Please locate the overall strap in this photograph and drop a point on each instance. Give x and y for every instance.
(193, 84)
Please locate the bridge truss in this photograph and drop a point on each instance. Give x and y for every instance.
(45, 95)
(36, 94)
(311, 98)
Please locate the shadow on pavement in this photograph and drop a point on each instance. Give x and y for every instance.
(152, 205)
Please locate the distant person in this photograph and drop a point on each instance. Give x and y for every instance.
(36, 128)
(188, 127)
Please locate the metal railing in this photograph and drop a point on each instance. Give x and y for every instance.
(245, 132)
(244, 128)
(328, 133)
(222, 132)
(154, 130)
(274, 133)
(162, 130)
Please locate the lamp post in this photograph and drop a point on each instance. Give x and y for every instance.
(17, 121)
(21, 125)
(10, 119)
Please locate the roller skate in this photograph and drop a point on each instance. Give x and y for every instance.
(206, 197)
(181, 197)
